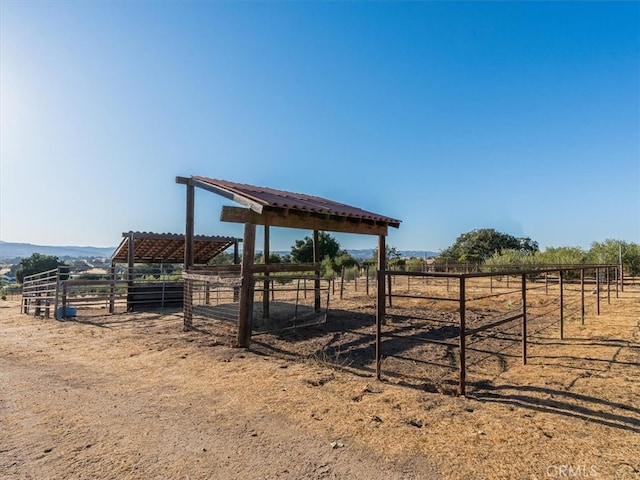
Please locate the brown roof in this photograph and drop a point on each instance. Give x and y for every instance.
(169, 248)
(259, 198)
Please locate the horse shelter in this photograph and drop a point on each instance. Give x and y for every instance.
(268, 207)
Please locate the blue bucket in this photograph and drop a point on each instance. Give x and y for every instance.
(68, 312)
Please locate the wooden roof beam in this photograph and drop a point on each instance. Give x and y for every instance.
(293, 220)
(255, 206)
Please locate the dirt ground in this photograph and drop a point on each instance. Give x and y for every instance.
(133, 396)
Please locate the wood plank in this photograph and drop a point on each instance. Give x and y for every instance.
(216, 268)
(302, 221)
(212, 278)
(285, 267)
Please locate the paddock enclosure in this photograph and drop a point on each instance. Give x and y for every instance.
(445, 328)
(145, 274)
(443, 332)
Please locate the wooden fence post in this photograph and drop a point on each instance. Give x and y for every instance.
(463, 339)
(112, 290)
(244, 311)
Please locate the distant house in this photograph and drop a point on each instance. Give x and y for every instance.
(9, 278)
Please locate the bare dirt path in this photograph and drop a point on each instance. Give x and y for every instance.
(135, 397)
(135, 400)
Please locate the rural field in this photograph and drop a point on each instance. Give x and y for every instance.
(133, 396)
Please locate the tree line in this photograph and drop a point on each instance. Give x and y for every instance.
(482, 246)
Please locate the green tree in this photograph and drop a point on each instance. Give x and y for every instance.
(397, 264)
(609, 252)
(392, 254)
(512, 258)
(631, 259)
(346, 260)
(562, 256)
(36, 263)
(328, 268)
(415, 264)
(302, 251)
(224, 258)
(479, 245)
(273, 258)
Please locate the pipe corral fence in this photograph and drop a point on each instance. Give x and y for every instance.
(121, 290)
(432, 328)
(435, 326)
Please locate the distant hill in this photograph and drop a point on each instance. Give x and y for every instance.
(11, 250)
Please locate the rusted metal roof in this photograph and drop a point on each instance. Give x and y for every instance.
(259, 198)
(169, 248)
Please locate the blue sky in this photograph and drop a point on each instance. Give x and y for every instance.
(518, 116)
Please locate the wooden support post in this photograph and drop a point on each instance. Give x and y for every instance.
(316, 281)
(380, 302)
(189, 228)
(463, 339)
(561, 306)
(524, 319)
(187, 308)
(112, 289)
(64, 300)
(265, 288)
(608, 286)
(236, 260)
(130, 264)
(244, 312)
